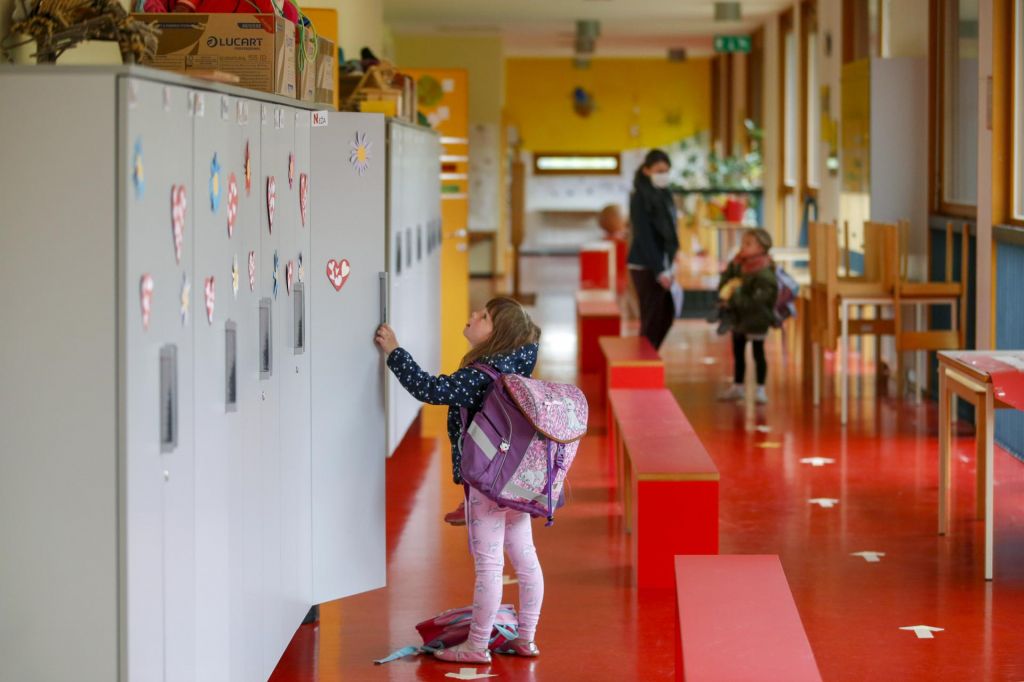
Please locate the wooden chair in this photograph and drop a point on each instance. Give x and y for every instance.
(924, 295)
(828, 289)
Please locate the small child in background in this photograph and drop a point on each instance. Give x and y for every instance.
(747, 291)
(611, 220)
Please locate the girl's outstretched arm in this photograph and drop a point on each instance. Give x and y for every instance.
(461, 389)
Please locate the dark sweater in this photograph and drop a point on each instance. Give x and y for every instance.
(464, 388)
(653, 216)
(753, 302)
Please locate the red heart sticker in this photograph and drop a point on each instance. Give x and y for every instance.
(271, 201)
(303, 197)
(145, 299)
(289, 275)
(211, 294)
(232, 203)
(179, 205)
(337, 273)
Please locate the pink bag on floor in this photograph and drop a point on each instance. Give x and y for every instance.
(451, 628)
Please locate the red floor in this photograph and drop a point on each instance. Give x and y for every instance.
(596, 627)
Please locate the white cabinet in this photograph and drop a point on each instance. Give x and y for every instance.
(187, 476)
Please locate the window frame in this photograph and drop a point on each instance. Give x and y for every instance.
(808, 21)
(939, 13)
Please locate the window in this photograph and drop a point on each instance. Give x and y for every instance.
(576, 164)
(811, 101)
(789, 178)
(1018, 111)
(957, 138)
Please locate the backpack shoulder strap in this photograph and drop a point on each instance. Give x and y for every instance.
(492, 373)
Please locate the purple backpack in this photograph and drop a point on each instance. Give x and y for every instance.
(518, 448)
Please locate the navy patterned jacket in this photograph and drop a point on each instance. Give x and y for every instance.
(464, 388)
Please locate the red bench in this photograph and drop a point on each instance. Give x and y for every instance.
(597, 315)
(597, 266)
(630, 362)
(736, 620)
(668, 484)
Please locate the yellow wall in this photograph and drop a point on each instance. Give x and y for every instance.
(645, 93)
(481, 56)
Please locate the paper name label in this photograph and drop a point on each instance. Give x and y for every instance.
(319, 119)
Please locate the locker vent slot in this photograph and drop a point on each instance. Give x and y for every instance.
(408, 248)
(266, 340)
(398, 254)
(168, 398)
(230, 367)
(382, 278)
(299, 332)
(419, 243)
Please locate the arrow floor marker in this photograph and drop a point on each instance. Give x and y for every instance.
(922, 631)
(768, 444)
(708, 361)
(824, 502)
(468, 674)
(764, 428)
(870, 557)
(817, 461)
(508, 580)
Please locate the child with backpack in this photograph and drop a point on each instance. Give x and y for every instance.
(504, 341)
(747, 291)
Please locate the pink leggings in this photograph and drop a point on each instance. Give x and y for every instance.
(490, 528)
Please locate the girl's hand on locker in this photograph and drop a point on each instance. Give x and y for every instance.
(385, 338)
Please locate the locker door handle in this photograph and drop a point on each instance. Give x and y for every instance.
(382, 278)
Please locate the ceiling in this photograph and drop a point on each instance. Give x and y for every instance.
(547, 27)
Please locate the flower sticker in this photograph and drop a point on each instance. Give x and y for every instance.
(232, 210)
(360, 153)
(252, 271)
(138, 172)
(289, 276)
(234, 275)
(214, 184)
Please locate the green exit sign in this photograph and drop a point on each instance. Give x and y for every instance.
(732, 43)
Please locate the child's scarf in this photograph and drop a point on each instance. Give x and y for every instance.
(751, 264)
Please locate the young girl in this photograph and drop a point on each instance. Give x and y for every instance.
(748, 290)
(503, 336)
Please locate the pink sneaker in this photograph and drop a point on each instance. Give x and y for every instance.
(519, 647)
(456, 517)
(463, 653)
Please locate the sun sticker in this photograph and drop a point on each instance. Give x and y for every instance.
(360, 156)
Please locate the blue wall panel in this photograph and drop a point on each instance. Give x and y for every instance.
(1010, 334)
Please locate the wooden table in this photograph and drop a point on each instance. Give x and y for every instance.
(989, 380)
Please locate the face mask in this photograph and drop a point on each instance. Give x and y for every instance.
(660, 180)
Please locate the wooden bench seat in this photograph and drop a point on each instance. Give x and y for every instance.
(667, 483)
(597, 315)
(736, 620)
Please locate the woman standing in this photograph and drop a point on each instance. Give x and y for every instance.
(655, 242)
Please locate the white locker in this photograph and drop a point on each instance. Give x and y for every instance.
(177, 437)
(413, 191)
(348, 434)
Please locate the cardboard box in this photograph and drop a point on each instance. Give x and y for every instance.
(258, 48)
(326, 70)
(306, 57)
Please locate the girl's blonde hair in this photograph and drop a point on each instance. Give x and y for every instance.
(512, 328)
